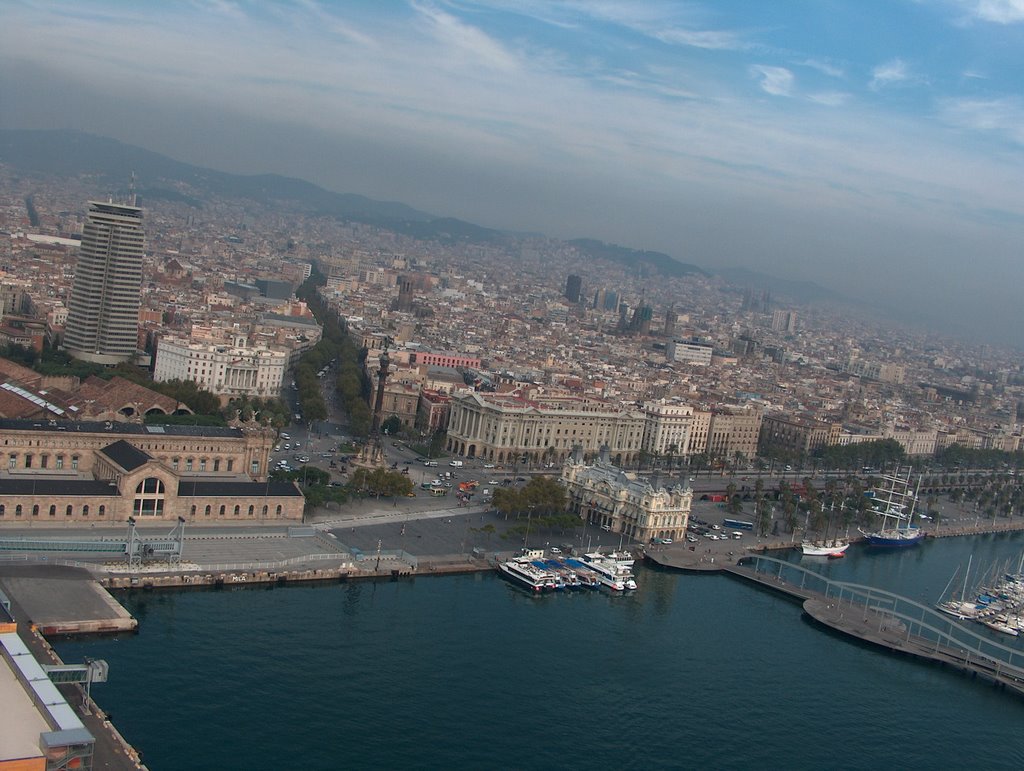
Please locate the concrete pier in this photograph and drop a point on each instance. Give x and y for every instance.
(64, 600)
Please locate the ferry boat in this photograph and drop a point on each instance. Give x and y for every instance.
(895, 503)
(522, 572)
(588, 577)
(610, 572)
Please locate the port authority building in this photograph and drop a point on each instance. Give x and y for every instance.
(620, 501)
(107, 472)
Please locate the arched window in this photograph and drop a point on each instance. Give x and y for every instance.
(85, 510)
(238, 510)
(209, 510)
(192, 511)
(149, 498)
(252, 510)
(265, 510)
(279, 509)
(222, 510)
(53, 510)
(17, 510)
(70, 510)
(3, 509)
(103, 509)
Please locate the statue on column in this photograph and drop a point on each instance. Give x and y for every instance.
(373, 452)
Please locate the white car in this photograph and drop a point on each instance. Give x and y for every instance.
(488, 465)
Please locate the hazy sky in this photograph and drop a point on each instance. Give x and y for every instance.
(874, 146)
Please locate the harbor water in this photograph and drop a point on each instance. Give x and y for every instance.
(470, 672)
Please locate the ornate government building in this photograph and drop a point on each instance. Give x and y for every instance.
(605, 495)
(502, 428)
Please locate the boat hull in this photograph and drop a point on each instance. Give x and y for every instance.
(523, 581)
(895, 539)
(823, 550)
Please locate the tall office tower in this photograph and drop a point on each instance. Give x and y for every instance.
(103, 312)
(404, 301)
(671, 319)
(573, 288)
(784, 321)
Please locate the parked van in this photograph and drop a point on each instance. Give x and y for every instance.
(430, 463)
(455, 464)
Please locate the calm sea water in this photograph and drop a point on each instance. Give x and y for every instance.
(467, 672)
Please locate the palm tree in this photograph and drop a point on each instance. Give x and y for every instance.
(670, 452)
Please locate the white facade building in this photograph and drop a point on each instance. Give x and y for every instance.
(225, 370)
(667, 429)
(689, 351)
(504, 428)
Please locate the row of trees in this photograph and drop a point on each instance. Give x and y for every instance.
(315, 484)
(351, 382)
(957, 456)
(876, 454)
(542, 501)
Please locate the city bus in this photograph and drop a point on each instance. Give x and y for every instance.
(739, 524)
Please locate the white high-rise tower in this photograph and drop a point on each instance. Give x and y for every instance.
(103, 312)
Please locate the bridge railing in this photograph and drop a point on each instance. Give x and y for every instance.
(918, 621)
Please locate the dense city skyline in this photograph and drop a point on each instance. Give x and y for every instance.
(873, 148)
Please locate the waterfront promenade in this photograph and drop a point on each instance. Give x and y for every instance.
(886, 620)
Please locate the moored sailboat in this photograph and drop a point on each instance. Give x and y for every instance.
(895, 503)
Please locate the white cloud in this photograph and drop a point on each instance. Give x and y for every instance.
(465, 38)
(724, 40)
(669, 22)
(829, 98)
(889, 73)
(998, 11)
(1002, 116)
(777, 81)
(826, 67)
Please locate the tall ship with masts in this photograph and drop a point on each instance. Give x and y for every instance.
(895, 500)
(825, 547)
